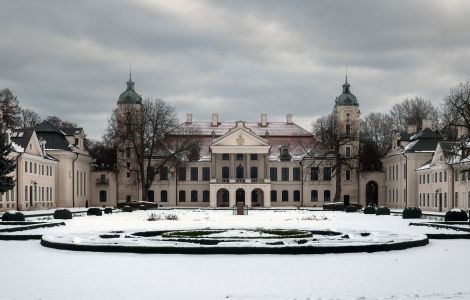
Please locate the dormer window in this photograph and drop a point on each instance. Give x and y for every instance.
(76, 142)
(285, 156)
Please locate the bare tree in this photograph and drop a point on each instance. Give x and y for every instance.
(58, 122)
(455, 110)
(29, 118)
(329, 129)
(149, 139)
(412, 112)
(376, 136)
(9, 105)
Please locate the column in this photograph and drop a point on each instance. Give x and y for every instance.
(213, 166)
(267, 196)
(267, 174)
(248, 192)
(213, 196)
(232, 166)
(248, 168)
(232, 196)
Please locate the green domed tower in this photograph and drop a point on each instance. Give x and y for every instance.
(129, 96)
(346, 98)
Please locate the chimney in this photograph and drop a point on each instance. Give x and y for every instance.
(264, 120)
(289, 119)
(215, 120)
(189, 118)
(411, 129)
(426, 124)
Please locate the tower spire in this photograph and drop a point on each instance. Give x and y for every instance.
(130, 72)
(346, 73)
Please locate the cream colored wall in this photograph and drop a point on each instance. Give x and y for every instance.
(96, 185)
(379, 178)
(435, 187)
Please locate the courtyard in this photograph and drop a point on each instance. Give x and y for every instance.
(435, 271)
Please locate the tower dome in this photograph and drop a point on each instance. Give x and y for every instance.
(129, 96)
(346, 98)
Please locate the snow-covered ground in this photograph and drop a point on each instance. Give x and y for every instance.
(436, 271)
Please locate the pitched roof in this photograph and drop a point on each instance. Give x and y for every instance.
(54, 137)
(21, 137)
(72, 130)
(424, 141)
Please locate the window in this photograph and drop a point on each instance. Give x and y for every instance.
(240, 172)
(456, 204)
(128, 174)
(164, 173)
(182, 174)
(435, 177)
(445, 176)
(254, 172)
(326, 196)
(103, 196)
(348, 152)
(225, 156)
(150, 196)
(327, 173)
(348, 174)
(348, 129)
(206, 173)
(194, 174)
(193, 196)
(225, 196)
(314, 173)
(285, 196)
(128, 198)
(427, 200)
(205, 196)
(35, 168)
(314, 196)
(285, 174)
(239, 156)
(254, 156)
(76, 141)
(440, 176)
(30, 167)
(26, 167)
(273, 174)
(468, 199)
(225, 172)
(427, 176)
(445, 199)
(273, 196)
(182, 196)
(296, 174)
(163, 196)
(296, 195)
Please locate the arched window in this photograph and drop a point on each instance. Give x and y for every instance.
(225, 196)
(314, 195)
(163, 196)
(150, 196)
(182, 196)
(273, 196)
(285, 195)
(103, 196)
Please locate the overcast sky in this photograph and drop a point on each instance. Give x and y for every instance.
(237, 58)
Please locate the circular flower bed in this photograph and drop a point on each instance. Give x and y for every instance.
(239, 233)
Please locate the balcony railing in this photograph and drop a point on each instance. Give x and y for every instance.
(241, 180)
(102, 181)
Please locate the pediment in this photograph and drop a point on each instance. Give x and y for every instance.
(240, 136)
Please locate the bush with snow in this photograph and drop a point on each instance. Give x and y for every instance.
(171, 217)
(369, 210)
(13, 215)
(382, 211)
(94, 211)
(351, 208)
(63, 214)
(108, 210)
(335, 206)
(412, 213)
(143, 207)
(126, 208)
(456, 214)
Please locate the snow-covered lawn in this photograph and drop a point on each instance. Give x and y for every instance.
(436, 271)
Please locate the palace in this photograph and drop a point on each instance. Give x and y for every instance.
(262, 163)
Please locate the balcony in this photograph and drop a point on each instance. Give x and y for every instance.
(102, 181)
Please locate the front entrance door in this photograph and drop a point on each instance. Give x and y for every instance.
(240, 195)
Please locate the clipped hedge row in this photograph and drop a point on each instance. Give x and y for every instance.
(351, 208)
(13, 216)
(94, 211)
(369, 210)
(126, 208)
(382, 211)
(456, 215)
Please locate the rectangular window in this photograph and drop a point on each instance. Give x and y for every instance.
(273, 174)
(239, 156)
(427, 204)
(254, 156)
(435, 177)
(164, 196)
(327, 173)
(26, 167)
(445, 176)
(314, 173)
(225, 156)
(206, 173)
(296, 174)
(194, 174)
(164, 173)
(225, 172)
(35, 168)
(182, 174)
(348, 174)
(285, 174)
(348, 152)
(128, 174)
(456, 204)
(404, 170)
(254, 172)
(427, 176)
(440, 176)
